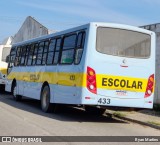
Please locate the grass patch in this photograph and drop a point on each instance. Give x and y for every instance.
(154, 123)
(119, 114)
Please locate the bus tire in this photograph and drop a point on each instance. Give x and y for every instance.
(16, 97)
(46, 106)
(94, 110)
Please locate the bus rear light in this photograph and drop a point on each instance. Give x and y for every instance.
(91, 80)
(150, 85)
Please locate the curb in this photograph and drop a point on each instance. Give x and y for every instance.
(134, 121)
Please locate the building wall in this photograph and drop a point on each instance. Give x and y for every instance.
(156, 29)
(29, 29)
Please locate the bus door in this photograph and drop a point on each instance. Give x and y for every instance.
(66, 70)
(32, 76)
(66, 83)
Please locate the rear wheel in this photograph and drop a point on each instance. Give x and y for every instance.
(14, 93)
(46, 106)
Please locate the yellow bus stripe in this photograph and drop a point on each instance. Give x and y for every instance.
(3, 71)
(107, 82)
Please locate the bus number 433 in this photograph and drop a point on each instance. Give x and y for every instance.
(104, 101)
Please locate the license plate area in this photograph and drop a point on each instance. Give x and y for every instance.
(103, 101)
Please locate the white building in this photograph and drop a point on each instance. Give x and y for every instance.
(31, 28)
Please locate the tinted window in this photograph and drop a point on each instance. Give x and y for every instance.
(51, 51)
(45, 52)
(124, 43)
(31, 52)
(34, 57)
(12, 57)
(23, 55)
(79, 48)
(27, 53)
(40, 53)
(68, 49)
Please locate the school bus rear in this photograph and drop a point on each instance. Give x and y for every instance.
(120, 67)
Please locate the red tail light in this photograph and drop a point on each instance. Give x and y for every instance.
(91, 80)
(150, 86)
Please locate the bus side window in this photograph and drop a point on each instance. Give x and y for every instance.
(12, 57)
(69, 45)
(45, 51)
(18, 56)
(40, 53)
(51, 49)
(34, 57)
(79, 48)
(28, 47)
(57, 51)
(31, 52)
(23, 55)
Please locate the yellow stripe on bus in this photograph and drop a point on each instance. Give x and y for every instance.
(60, 78)
(3, 71)
(107, 82)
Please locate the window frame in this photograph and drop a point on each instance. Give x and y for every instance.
(35, 43)
(32, 44)
(45, 41)
(10, 55)
(39, 53)
(51, 51)
(135, 57)
(61, 51)
(83, 40)
(22, 47)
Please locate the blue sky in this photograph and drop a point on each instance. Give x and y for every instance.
(63, 14)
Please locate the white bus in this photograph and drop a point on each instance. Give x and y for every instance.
(94, 65)
(4, 52)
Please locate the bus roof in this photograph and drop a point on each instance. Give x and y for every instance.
(85, 26)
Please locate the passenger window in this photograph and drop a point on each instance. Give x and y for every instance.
(58, 44)
(34, 57)
(18, 56)
(40, 53)
(23, 54)
(31, 52)
(45, 52)
(12, 57)
(51, 51)
(79, 48)
(57, 51)
(27, 53)
(68, 49)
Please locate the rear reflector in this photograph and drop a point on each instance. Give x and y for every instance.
(150, 85)
(87, 98)
(91, 80)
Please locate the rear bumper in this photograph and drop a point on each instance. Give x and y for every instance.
(106, 101)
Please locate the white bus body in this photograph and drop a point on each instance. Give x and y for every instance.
(114, 67)
(4, 51)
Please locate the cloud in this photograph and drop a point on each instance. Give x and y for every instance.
(89, 10)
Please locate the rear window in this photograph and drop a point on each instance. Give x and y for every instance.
(123, 43)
